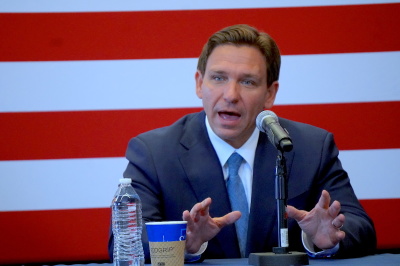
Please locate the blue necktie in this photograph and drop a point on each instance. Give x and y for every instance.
(238, 200)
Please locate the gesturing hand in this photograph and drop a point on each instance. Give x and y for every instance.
(201, 227)
(323, 223)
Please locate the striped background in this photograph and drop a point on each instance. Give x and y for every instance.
(78, 79)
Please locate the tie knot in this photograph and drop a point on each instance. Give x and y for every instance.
(234, 163)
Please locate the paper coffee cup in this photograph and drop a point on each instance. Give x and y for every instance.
(167, 242)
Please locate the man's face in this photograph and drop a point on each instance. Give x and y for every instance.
(234, 91)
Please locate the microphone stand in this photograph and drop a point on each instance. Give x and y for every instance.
(281, 192)
(280, 254)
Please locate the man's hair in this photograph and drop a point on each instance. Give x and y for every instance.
(244, 35)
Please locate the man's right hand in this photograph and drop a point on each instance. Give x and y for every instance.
(201, 227)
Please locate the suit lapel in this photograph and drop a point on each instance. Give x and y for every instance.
(205, 175)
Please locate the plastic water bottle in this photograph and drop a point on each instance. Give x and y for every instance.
(127, 226)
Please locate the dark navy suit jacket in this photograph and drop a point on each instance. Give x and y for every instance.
(175, 167)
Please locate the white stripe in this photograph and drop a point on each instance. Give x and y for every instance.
(169, 83)
(339, 78)
(131, 5)
(91, 183)
(374, 174)
(59, 184)
(97, 85)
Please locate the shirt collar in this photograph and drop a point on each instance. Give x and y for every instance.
(224, 150)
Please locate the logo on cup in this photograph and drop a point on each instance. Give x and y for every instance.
(183, 235)
(162, 250)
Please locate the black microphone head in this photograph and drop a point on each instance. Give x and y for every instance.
(261, 116)
(268, 122)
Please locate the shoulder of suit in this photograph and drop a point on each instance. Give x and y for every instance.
(299, 126)
(174, 128)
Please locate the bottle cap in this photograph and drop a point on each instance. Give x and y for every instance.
(125, 181)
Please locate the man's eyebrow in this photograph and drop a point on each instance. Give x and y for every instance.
(244, 75)
(217, 71)
(247, 75)
(252, 76)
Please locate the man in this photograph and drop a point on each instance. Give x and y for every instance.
(184, 166)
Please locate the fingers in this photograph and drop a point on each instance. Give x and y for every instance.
(227, 219)
(186, 216)
(200, 209)
(201, 206)
(340, 235)
(334, 209)
(294, 213)
(324, 200)
(339, 221)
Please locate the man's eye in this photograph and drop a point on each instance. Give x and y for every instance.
(218, 78)
(248, 82)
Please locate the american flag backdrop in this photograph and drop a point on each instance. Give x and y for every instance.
(78, 79)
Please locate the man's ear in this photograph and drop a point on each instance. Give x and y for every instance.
(199, 82)
(271, 95)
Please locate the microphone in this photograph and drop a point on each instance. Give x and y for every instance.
(267, 122)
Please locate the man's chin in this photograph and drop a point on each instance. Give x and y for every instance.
(229, 135)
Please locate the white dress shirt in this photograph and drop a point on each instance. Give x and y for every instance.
(247, 151)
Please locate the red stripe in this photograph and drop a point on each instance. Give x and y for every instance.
(356, 126)
(385, 214)
(181, 34)
(89, 134)
(54, 236)
(82, 234)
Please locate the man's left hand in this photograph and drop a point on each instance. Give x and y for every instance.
(323, 223)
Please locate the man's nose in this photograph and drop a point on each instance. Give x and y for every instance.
(231, 92)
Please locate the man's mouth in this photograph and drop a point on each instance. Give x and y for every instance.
(229, 116)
